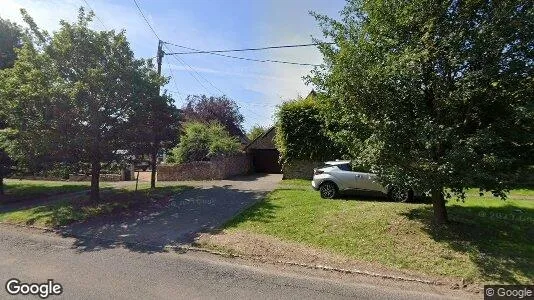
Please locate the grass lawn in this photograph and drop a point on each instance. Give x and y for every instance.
(487, 240)
(19, 190)
(79, 208)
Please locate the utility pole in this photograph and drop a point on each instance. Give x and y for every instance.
(155, 141)
(160, 57)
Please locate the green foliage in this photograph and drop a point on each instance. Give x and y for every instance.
(201, 141)
(301, 131)
(433, 94)
(73, 97)
(255, 132)
(10, 39)
(201, 108)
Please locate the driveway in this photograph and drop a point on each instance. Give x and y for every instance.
(205, 207)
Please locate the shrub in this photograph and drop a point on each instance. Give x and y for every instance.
(301, 132)
(201, 141)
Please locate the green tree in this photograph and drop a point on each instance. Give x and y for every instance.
(201, 141)
(201, 108)
(156, 121)
(437, 94)
(255, 132)
(71, 95)
(10, 39)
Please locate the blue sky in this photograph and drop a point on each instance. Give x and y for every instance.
(210, 25)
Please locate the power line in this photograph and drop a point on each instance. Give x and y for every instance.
(100, 20)
(178, 58)
(175, 85)
(157, 36)
(195, 51)
(183, 63)
(146, 20)
(236, 57)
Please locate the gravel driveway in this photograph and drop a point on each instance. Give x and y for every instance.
(205, 207)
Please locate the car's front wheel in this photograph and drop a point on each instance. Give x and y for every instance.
(400, 195)
(328, 190)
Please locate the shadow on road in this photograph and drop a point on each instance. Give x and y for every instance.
(250, 177)
(151, 228)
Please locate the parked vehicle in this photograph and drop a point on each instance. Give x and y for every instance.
(337, 176)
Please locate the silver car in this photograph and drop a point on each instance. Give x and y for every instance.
(337, 176)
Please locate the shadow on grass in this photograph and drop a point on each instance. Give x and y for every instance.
(24, 192)
(376, 197)
(497, 239)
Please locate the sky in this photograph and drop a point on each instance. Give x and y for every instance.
(209, 25)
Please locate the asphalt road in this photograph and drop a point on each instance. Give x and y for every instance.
(120, 273)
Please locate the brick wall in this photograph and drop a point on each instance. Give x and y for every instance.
(217, 168)
(300, 169)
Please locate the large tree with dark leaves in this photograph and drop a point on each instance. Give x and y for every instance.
(202, 108)
(434, 94)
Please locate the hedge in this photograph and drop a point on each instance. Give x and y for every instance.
(301, 132)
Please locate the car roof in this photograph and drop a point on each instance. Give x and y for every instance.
(337, 162)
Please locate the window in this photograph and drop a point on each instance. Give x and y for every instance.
(345, 167)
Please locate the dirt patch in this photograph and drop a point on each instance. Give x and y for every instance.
(271, 249)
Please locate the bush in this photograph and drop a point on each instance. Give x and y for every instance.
(201, 141)
(301, 132)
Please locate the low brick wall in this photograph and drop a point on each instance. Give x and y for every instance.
(300, 169)
(218, 168)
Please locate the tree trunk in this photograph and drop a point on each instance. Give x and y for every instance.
(1, 185)
(438, 203)
(95, 181)
(153, 165)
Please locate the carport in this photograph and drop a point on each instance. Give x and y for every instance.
(265, 156)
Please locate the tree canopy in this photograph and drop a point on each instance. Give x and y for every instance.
(72, 96)
(155, 123)
(10, 39)
(435, 94)
(202, 108)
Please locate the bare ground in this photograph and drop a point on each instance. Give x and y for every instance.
(270, 249)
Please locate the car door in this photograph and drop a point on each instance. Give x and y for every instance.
(346, 179)
(368, 182)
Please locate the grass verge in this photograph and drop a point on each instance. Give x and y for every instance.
(488, 239)
(80, 208)
(21, 190)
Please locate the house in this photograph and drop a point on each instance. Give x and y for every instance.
(265, 156)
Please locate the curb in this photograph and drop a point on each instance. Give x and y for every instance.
(309, 266)
(185, 248)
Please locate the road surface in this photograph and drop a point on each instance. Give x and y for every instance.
(205, 207)
(120, 273)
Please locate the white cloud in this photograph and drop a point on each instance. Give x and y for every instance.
(257, 86)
